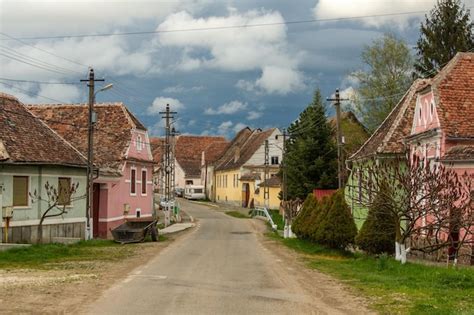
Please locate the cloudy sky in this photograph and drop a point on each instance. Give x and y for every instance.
(218, 78)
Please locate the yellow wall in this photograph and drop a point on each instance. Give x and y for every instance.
(274, 201)
(226, 189)
(232, 192)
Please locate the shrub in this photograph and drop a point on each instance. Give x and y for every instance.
(336, 228)
(317, 217)
(377, 234)
(300, 224)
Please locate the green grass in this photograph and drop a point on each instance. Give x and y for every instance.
(277, 219)
(393, 288)
(237, 214)
(45, 256)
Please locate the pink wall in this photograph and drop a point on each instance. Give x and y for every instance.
(426, 116)
(116, 192)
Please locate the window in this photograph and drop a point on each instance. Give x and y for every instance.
(133, 181)
(189, 182)
(274, 160)
(144, 182)
(20, 191)
(198, 191)
(64, 191)
(138, 212)
(139, 143)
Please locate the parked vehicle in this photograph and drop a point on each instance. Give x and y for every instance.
(179, 192)
(194, 192)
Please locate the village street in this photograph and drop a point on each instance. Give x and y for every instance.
(224, 267)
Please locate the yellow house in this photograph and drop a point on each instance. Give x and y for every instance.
(239, 173)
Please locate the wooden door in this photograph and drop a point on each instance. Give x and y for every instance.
(245, 194)
(95, 210)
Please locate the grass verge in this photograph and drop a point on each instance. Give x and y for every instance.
(393, 288)
(47, 255)
(237, 214)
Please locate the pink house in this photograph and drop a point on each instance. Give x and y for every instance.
(443, 123)
(123, 187)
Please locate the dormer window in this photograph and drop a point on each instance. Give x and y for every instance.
(139, 143)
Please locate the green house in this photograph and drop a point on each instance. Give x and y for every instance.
(31, 155)
(387, 142)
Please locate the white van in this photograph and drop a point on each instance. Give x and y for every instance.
(194, 192)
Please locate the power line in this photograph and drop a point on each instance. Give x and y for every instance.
(40, 82)
(26, 91)
(43, 50)
(36, 60)
(222, 27)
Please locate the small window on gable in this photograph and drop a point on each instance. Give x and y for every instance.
(432, 109)
(274, 160)
(139, 143)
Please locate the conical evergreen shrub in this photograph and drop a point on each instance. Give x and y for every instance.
(300, 224)
(377, 234)
(336, 228)
(317, 216)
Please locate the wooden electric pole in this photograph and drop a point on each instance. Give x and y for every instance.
(340, 153)
(90, 150)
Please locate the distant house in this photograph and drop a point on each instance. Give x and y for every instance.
(210, 155)
(189, 156)
(387, 142)
(31, 155)
(122, 154)
(157, 149)
(239, 173)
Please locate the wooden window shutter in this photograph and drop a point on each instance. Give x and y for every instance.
(20, 191)
(64, 191)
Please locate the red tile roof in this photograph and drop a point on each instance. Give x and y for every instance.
(389, 137)
(459, 153)
(189, 148)
(112, 134)
(157, 148)
(242, 147)
(453, 88)
(25, 139)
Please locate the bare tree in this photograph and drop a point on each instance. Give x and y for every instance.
(57, 200)
(290, 210)
(431, 204)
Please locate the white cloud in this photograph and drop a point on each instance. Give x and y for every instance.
(238, 127)
(224, 127)
(159, 105)
(327, 9)
(239, 49)
(18, 15)
(280, 80)
(176, 89)
(252, 115)
(227, 108)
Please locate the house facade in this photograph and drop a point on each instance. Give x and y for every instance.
(239, 173)
(442, 129)
(32, 156)
(387, 142)
(123, 187)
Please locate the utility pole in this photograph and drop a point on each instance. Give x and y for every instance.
(90, 150)
(168, 163)
(283, 166)
(266, 177)
(340, 154)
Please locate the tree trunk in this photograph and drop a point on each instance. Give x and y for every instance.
(403, 254)
(397, 251)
